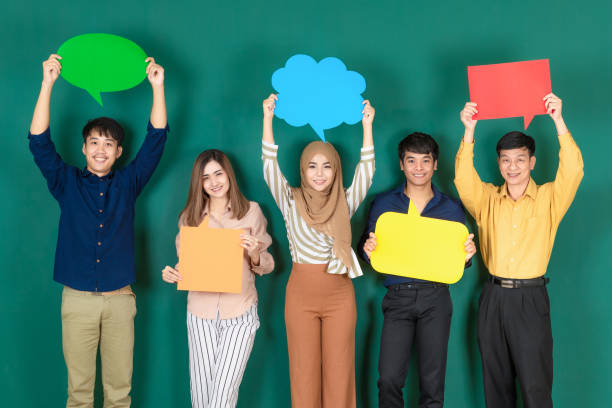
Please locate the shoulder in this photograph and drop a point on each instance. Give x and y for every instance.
(450, 201)
(254, 211)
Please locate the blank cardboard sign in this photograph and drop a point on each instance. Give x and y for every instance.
(419, 247)
(210, 259)
(510, 90)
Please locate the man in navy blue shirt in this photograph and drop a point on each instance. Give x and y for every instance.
(415, 311)
(94, 258)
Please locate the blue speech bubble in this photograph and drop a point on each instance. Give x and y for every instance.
(323, 94)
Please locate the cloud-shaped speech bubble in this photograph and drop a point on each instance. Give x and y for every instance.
(419, 247)
(102, 63)
(323, 94)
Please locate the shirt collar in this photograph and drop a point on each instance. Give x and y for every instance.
(87, 173)
(531, 191)
(206, 211)
(434, 200)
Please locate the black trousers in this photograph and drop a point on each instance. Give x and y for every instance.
(515, 340)
(420, 316)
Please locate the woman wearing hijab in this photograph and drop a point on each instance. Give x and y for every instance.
(320, 311)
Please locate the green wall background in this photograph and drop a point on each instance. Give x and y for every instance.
(219, 57)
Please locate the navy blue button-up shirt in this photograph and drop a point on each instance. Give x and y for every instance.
(441, 206)
(95, 243)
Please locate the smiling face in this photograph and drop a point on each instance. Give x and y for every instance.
(215, 181)
(515, 166)
(418, 168)
(319, 172)
(101, 151)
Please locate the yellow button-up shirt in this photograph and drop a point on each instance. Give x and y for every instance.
(516, 237)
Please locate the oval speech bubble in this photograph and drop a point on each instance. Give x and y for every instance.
(100, 62)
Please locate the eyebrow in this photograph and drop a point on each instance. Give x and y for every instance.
(311, 162)
(214, 172)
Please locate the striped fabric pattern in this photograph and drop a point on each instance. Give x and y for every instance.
(306, 244)
(218, 353)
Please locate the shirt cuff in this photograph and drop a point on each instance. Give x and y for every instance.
(150, 127)
(269, 150)
(41, 136)
(367, 153)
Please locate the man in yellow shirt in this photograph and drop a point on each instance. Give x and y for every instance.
(517, 223)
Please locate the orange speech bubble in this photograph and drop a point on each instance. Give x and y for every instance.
(210, 259)
(419, 247)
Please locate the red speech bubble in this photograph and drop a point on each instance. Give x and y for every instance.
(509, 90)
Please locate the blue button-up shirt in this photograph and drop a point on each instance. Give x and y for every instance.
(95, 243)
(441, 206)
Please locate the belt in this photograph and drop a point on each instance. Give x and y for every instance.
(126, 290)
(518, 283)
(418, 285)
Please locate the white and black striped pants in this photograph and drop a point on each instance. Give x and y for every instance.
(218, 352)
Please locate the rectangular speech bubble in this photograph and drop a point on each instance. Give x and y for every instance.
(510, 90)
(211, 259)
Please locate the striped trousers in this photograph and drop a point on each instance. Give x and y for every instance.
(218, 352)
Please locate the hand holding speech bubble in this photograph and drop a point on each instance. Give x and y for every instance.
(210, 259)
(102, 63)
(509, 90)
(323, 94)
(419, 247)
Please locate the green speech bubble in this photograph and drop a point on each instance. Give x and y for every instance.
(102, 63)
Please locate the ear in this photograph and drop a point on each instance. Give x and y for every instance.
(435, 165)
(119, 151)
(83, 150)
(401, 165)
(532, 161)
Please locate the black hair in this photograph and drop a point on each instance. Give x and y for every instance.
(418, 142)
(516, 140)
(104, 126)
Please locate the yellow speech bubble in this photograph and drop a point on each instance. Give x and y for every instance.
(419, 247)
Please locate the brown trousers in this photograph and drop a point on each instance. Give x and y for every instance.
(320, 316)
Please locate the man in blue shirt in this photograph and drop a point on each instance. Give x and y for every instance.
(415, 311)
(94, 258)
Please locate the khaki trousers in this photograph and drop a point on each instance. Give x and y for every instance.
(88, 320)
(320, 316)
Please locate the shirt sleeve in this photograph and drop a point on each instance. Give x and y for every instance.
(258, 230)
(50, 163)
(373, 215)
(141, 168)
(278, 185)
(362, 180)
(569, 175)
(469, 186)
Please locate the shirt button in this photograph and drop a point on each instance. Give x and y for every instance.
(100, 211)
(97, 261)
(101, 194)
(514, 244)
(101, 225)
(99, 243)
(514, 226)
(511, 259)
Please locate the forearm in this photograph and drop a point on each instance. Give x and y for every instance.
(268, 134)
(40, 118)
(159, 118)
(368, 138)
(468, 136)
(560, 125)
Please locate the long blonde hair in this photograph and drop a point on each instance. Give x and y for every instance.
(197, 197)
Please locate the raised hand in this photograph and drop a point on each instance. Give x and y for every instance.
(469, 110)
(269, 104)
(368, 113)
(155, 72)
(51, 69)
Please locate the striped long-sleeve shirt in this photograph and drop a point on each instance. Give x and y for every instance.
(307, 245)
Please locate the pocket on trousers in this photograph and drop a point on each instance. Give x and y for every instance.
(541, 302)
